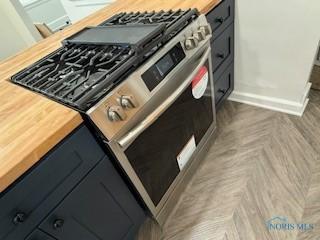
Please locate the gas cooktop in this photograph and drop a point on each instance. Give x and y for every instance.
(95, 60)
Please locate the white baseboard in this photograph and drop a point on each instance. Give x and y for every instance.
(276, 104)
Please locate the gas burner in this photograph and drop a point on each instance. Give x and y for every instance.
(71, 73)
(167, 17)
(175, 20)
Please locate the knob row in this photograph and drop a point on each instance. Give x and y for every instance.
(198, 36)
(117, 113)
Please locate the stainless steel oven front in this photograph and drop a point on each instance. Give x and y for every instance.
(157, 121)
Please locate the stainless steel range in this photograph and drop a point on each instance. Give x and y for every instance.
(144, 81)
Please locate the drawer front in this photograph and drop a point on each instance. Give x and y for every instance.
(39, 235)
(223, 49)
(222, 64)
(221, 16)
(21, 206)
(100, 207)
(224, 85)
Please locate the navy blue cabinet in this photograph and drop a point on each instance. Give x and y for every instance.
(221, 19)
(72, 193)
(101, 207)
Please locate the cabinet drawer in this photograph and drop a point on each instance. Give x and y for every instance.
(224, 85)
(24, 205)
(100, 207)
(221, 16)
(222, 50)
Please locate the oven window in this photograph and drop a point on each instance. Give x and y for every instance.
(153, 155)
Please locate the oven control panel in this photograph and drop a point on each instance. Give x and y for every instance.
(157, 72)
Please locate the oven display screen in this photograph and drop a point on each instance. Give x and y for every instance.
(164, 65)
(158, 71)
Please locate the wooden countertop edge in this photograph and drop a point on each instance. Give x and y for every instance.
(18, 168)
(210, 7)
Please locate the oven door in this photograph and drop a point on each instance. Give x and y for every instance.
(166, 141)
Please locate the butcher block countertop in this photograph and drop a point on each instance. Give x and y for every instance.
(30, 124)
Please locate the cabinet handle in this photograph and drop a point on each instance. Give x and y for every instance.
(223, 91)
(220, 55)
(219, 20)
(58, 223)
(20, 217)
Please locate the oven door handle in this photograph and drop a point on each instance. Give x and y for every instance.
(128, 138)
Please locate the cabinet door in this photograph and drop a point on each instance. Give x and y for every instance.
(222, 51)
(32, 197)
(39, 235)
(101, 207)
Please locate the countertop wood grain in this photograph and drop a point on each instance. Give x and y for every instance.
(31, 124)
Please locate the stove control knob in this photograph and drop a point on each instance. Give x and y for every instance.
(128, 101)
(191, 43)
(116, 113)
(205, 29)
(200, 35)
